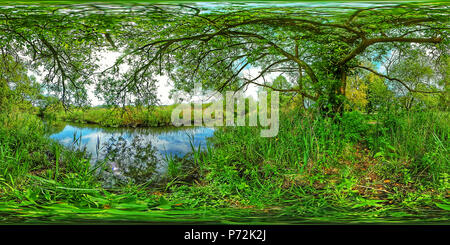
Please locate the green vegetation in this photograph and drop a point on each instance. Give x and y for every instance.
(128, 116)
(355, 142)
(314, 168)
(115, 117)
(316, 164)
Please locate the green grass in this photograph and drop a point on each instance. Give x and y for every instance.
(316, 168)
(33, 167)
(315, 165)
(115, 117)
(129, 116)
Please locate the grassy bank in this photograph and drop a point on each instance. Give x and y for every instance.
(115, 117)
(128, 116)
(379, 165)
(39, 178)
(382, 163)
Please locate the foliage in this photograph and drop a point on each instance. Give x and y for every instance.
(352, 163)
(363, 130)
(17, 90)
(214, 46)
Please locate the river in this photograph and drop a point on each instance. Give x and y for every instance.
(137, 154)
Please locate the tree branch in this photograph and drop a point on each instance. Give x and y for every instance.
(397, 80)
(367, 42)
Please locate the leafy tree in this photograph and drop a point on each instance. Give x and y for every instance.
(17, 90)
(356, 93)
(279, 83)
(444, 100)
(318, 48)
(379, 97)
(215, 47)
(58, 42)
(49, 106)
(420, 72)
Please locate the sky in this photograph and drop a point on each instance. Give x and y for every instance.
(164, 84)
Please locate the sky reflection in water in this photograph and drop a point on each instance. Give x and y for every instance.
(166, 141)
(174, 141)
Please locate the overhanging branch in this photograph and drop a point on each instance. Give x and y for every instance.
(397, 80)
(367, 42)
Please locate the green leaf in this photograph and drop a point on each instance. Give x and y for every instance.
(164, 204)
(443, 206)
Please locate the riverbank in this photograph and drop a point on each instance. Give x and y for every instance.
(313, 168)
(115, 117)
(128, 116)
(316, 165)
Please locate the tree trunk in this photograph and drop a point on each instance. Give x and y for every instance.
(333, 105)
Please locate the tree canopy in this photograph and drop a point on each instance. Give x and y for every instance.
(317, 48)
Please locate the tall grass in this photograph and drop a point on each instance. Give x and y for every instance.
(312, 166)
(128, 116)
(115, 117)
(347, 161)
(417, 141)
(32, 163)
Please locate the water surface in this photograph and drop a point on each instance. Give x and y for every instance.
(136, 153)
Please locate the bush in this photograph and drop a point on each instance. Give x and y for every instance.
(354, 125)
